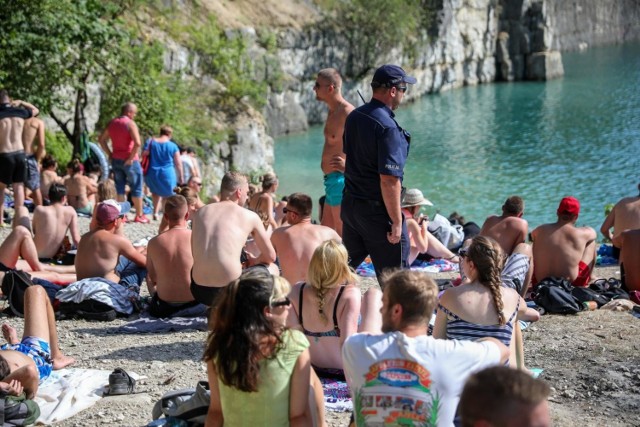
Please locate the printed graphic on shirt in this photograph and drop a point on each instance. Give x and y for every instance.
(396, 392)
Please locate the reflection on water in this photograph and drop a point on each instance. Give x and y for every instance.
(473, 147)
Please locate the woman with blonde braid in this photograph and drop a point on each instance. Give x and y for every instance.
(482, 307)
(327, 307)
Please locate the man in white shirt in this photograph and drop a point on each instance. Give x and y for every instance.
(403, 374)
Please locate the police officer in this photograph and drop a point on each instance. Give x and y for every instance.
(376, 148)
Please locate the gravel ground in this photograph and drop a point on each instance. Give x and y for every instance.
(592, 361)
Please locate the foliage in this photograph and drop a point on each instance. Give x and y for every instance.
(374, 27)
(58, 146)
(51, 48)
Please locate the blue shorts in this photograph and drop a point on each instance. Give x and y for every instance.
(38, 350)
(333, 187)
(131, 175)
(32, 181)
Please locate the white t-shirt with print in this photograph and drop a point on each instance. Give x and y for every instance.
(398, 380)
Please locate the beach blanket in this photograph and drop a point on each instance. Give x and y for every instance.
(435, 265)
(604, 256)
(69, 391)
(149, 325)
(123, 299)
(336, 395)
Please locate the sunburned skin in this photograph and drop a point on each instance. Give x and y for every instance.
(50, 225)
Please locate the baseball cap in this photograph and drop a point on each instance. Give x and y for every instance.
(569, 205)
(414, 197)
(109, 210)
(391, 75)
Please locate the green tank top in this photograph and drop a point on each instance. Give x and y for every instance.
(269, 406)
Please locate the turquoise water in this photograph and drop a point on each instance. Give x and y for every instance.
(475, 146)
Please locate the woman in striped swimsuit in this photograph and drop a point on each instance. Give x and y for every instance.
(483, 307)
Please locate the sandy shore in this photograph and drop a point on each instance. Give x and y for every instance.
(592, 361)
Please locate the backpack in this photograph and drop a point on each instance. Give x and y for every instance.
(14, 285)
(18, 411)
(189, 404)
(588, 294)
(88, 310)
(554, 295)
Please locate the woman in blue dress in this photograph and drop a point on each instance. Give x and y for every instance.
(164, 159)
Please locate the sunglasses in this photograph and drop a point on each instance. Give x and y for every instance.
(199, 184)
(318, 85)
(462, 253)
(402, 88)
(285, 210)
(285, 302)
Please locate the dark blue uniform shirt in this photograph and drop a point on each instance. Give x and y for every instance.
(375, 145)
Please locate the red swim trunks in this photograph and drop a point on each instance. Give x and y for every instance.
(582, 281)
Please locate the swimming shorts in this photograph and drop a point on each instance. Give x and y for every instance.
(204, 294)
(38, 350)
(584, 276)
(87, 210)
(515, 271)
(333, 187)
(13, 167)
(162, 309)
(32, 181)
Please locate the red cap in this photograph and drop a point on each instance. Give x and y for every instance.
(569, 205)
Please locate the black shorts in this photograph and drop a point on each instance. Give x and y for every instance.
(13, 167)
(162, 309)
(205, 294)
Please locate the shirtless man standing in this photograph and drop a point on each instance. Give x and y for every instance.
(33, 134)
(624, 216)
(169, 262)
(104, 253)
(220, 231)
(510, 231)
(12, 158)
(51, 223)
(296, 243)
(328, 90)
(23, 364)
(563, 250)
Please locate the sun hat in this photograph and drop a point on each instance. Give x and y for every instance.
(109, 210)
(391, 75)
(414, 197)
(569, 205)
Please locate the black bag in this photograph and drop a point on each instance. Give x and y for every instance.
(610, 288)
(18, 411)
(14, 285)
(88, 310)
(554, 295)
(587, 294)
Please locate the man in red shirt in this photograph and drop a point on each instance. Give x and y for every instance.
(125, 162)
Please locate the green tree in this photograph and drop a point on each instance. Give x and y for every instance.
(52, 49)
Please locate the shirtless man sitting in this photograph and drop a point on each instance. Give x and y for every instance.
(328, 88)
(563, 250)
(12, 157)
(220, 231)
(624, 216)
(106, 254)
(169, 262)
(296, 243)
(510, 231)
(24, 364)
(50, 224)
(629, 265)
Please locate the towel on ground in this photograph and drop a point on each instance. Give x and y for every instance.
(336, 395)
(436, 265)
(69, 391)
(148, 325)
(123, 299)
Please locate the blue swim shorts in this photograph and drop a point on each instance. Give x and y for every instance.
(333, 187)
(131, 175)
(38, 350)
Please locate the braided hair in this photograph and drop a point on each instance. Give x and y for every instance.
(487, 256)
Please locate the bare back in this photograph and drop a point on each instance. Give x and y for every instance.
(326, 351)
(47, 178)
(558, 249)
(295, 245)
(98, 253)
(624, 216)
(33, 127)
(11, 134)
(333, 131)
(78, 189)
(169, 263)
(50, 225)
(508, 231)
(220, 231)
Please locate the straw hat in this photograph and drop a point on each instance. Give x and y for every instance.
(414, 197)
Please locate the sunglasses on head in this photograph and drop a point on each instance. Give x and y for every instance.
(462, 253)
